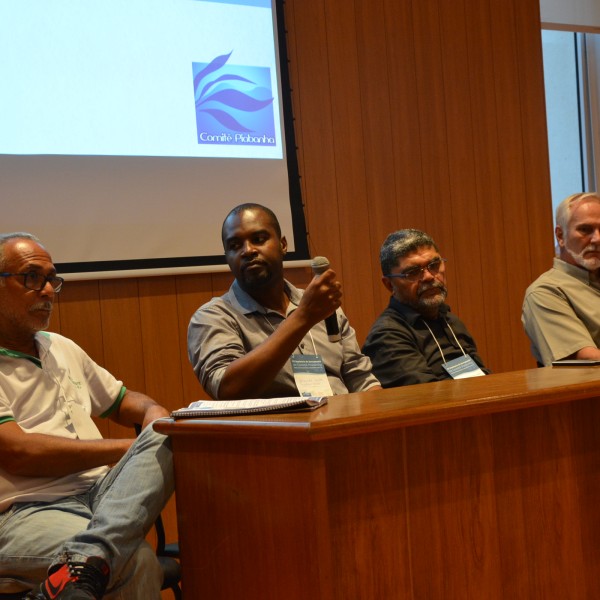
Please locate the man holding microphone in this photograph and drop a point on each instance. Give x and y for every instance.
(265, 338)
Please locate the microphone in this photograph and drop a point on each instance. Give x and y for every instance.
(319, 265)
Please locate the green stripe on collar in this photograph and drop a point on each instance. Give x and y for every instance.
(15, 354)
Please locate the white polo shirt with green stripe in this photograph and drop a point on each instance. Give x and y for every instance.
(55, 395)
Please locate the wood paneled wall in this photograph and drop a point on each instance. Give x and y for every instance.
(409, 113)
(427, 114)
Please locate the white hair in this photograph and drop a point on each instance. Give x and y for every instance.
(565, 209)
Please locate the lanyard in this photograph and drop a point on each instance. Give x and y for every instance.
(265, 315)
(438, 344)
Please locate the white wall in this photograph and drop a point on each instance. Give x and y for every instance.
(583, 15)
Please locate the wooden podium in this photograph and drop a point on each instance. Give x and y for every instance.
(484, 488)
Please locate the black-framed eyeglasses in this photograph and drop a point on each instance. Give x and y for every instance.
(416, 273)
(36, 281)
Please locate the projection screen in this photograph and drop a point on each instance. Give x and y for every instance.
(129, 128)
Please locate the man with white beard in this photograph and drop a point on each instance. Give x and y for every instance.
(416, 339)
(561, 310)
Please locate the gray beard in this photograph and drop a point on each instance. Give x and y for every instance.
(589, 264)
(434, 301)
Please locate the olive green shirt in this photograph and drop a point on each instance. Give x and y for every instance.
(561, 312)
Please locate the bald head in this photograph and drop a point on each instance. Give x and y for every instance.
(16, 235)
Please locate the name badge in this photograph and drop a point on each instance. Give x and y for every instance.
(462, 367)
(310, 376)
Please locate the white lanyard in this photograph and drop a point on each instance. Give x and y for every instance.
(299, 348)
(438, 344)
(309, 371)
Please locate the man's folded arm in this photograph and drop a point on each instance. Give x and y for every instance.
(250, 374)
(138, 409)
(40, 455)
(554, 329)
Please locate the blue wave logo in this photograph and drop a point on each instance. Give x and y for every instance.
(234, 104)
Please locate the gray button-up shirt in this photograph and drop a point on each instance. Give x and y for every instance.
(228, 327)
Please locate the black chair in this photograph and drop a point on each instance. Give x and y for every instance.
(168, 555)
(162, 548)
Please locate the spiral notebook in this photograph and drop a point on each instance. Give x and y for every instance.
(220, 408)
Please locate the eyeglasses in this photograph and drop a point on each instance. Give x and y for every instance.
(416, 273)
(36, 281)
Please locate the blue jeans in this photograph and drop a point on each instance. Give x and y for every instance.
(110, 520)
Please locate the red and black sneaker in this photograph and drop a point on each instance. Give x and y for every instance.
(76, 581)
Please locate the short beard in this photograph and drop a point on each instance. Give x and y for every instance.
(256, 282)
(589, 264)
(42, 306)
(430, 302)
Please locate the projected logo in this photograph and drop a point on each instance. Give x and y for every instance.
(234, 104)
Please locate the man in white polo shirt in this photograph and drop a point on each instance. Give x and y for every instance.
(67, 520)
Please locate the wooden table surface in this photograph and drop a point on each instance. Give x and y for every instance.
(482, 488)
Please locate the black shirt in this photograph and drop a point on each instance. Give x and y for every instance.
(404, 352)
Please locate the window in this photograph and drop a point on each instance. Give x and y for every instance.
(571, 63)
